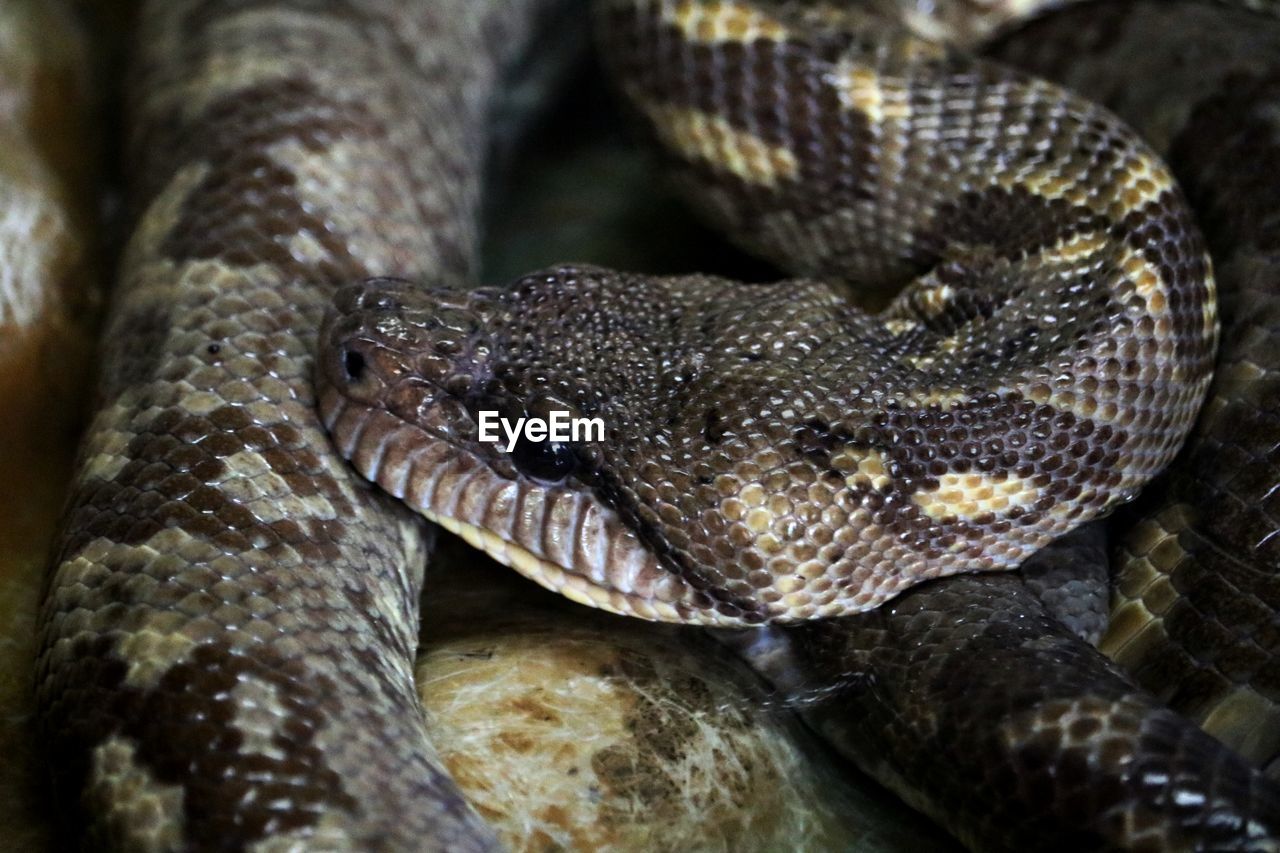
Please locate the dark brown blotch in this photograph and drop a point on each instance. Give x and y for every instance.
(183, 731)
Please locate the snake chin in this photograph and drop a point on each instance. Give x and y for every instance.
(405, 417)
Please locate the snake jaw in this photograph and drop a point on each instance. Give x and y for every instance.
(402, 372)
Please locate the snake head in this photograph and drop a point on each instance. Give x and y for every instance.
(409, 374)
(766, 453)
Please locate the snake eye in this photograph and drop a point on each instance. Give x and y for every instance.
(548, 461)
(353, 364)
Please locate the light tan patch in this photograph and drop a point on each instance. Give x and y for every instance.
(1078, 247)
(1143, 181)
(141, 813)
(862, 468)
(1049, 184)
(943, 398)
(1142, 589)
(1069, 399)
(152, 641)
(164, 211)
(968, 496)
(306, 248)
(201, 402)
(861, 88)
(945, 346)
(154, 650)
(697, 135)
(1209, 308)
(900, 326)
(346, 196)
(246, 63)
(1247, 722)
(1083, 406)
(259, 716)
(110, 457)
(1139, 181)
(933, 301)
(1147, 283)
(722, 21)
(251, 482)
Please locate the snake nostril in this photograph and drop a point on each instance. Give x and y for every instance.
(354, 365)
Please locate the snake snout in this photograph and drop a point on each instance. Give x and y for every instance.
(384, 333)
(352, 364)
(429, 392)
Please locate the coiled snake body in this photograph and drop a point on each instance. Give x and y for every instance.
(228, 633)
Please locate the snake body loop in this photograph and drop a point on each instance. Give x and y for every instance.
(227, 640)
(1198, 612)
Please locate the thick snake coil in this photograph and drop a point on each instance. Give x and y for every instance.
(1198, 615)
(228, 638)
(228, 634)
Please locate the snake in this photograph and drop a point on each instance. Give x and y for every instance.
(228, 631)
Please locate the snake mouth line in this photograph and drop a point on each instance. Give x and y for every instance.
(557, 537)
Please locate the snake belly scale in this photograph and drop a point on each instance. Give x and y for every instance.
(228, 636)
